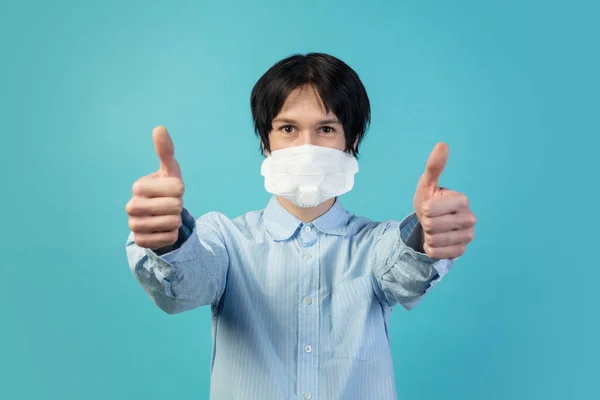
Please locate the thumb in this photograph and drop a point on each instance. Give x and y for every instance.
(169, 167)
(435, 166)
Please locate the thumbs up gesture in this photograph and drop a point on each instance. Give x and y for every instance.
(448, 223)
(155, 207)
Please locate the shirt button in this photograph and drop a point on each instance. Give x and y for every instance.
(307, 229)
(307, 396)
(307, 349)
(307, 301)
(307, 256)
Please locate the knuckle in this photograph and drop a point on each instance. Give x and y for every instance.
(176, 205)
(433, 253)
(427, 239)
(135, 206)
(130, 207)
(137, 187)
(176, 221)
(469, 222)
(465, 201)
(431, 240)
(470, 235)
(140, 240)
(426, 208)
(427, 225)
(473, 220)
(179, 188)
(133, 225)
(427, 249)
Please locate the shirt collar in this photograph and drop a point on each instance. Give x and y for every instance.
(282, 225)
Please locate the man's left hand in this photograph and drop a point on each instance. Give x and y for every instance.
(447, 221)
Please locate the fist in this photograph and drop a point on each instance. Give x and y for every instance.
(448, 222)
(155, 207)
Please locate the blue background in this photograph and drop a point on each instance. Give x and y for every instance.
(511, 86)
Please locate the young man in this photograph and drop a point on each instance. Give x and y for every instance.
(300, 292)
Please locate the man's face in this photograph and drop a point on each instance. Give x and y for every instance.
(303, 120)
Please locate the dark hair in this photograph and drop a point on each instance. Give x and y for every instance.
(338, 86)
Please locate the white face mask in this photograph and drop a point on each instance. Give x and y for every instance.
(308, 175)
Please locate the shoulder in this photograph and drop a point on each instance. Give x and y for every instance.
(364, 227)
(225, 225)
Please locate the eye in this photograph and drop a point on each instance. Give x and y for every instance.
(327, 129)
(287, 129)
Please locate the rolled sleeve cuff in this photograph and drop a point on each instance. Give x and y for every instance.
(411, 234)
(163, 264)
(406, 273)
(409, 226)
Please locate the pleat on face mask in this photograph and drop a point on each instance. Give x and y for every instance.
(308, 175)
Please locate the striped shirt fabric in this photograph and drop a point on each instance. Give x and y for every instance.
(299, 310)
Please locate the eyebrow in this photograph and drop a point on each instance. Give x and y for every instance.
(292, 121)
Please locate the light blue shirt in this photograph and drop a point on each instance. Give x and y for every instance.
(299, 311)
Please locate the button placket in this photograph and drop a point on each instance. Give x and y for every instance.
(308, 321)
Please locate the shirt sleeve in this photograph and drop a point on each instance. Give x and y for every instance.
(192, 274)
(402, 274)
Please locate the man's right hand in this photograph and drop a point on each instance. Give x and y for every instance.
(155, 207)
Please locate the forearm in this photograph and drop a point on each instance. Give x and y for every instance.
(189, 276)
(401, 267)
